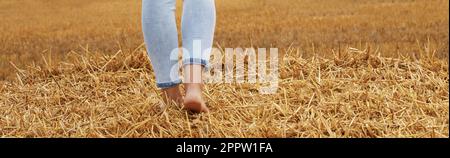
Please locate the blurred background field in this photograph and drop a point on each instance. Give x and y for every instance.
(33, 29)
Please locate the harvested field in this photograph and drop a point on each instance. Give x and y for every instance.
(347, 69)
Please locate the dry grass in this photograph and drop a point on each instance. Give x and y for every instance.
(30, 28)
(356, 94)
(395, 84)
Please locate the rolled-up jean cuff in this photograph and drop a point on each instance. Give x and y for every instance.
(168, 84)
(196, 61)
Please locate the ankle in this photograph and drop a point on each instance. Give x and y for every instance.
(171, 93)
(193, 87)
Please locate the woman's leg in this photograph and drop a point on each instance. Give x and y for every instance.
(198, 23)
(161, 38)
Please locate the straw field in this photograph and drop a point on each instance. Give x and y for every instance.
(366, 68)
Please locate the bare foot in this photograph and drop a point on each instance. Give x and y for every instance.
(193, 100)
(172, 96)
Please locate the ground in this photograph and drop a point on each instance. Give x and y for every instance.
(347, 69)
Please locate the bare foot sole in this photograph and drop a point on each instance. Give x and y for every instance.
(193, 100)
(195, 103)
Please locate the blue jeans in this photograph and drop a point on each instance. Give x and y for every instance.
(161, 36)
